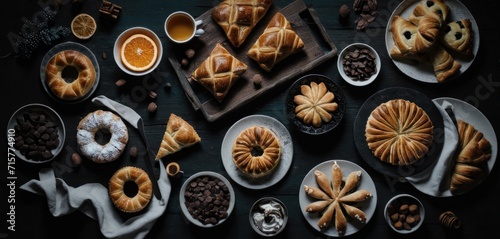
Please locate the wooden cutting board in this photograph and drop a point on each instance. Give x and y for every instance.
(304, 20)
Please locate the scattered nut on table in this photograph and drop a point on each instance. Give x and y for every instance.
(152, 107)
(120, 82)
(133, 152)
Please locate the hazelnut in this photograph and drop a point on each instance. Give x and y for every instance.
(189, 53)
(257, 80)
(133, 152)
(344, 11)
(152, 94)
(184, 62)
(76, 159)
(167, 86)
(120, 82)
(152, 107)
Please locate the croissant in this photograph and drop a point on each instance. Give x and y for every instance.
(178, 135)
(238, 17)
(474, 151)
(277, 42)
(219, 72)
(426, 7)
(443, 63)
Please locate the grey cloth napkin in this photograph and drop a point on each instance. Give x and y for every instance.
(92, 199)
(435, 179)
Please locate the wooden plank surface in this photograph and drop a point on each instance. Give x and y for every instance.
(21, 85)
(318, 47)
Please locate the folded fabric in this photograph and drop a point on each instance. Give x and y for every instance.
(435, 179)
(92, 199)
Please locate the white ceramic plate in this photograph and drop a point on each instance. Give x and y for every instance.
(54, 118)
(473, 116)
(347, 167)
(421, 71)
(286, 157)
(69, 46)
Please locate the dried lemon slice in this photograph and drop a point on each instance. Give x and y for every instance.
(83, 26)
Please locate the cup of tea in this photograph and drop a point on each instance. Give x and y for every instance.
(181, 27)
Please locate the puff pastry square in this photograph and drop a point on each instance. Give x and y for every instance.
(219, 72)
(277, 42)
(238, 17)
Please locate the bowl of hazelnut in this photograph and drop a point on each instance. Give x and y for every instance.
(404, 213)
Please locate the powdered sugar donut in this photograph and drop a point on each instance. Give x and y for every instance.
(99, 120)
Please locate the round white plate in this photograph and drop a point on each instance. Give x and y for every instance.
(286, 156)
(422, 71)
(69, 46)
(347, 167)
(473, 116)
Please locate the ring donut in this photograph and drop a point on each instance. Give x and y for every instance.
(86, 132)
(81, 85)
(118, 196)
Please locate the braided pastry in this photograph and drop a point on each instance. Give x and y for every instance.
(238, 17)
(219, 72)
(399, 132)
(277, 42)
(81, 85)
(256, 151)
(136, 202)
(427, 32)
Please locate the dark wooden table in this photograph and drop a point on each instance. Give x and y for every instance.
(20, 83)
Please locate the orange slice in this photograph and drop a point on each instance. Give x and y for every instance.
(83, 26)
(138, 52)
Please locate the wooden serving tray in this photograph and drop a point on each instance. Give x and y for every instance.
(304, 20)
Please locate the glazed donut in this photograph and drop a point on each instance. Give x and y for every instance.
(77, 88)
(120, 199)
(256, 151)
(94, 122)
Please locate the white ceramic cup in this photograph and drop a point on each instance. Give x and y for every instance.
(181, 27)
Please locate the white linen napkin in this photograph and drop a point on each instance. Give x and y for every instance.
(435, 179)
(92, 199)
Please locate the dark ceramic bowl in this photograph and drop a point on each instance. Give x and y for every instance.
(337, 115)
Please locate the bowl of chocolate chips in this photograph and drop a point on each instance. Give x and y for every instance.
(35, 133)
(358, 64)
(206, 199)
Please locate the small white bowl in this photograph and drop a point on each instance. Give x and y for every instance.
(347, 78)
(277, 216)
(210, 176)
(124, 36)
(392, 205)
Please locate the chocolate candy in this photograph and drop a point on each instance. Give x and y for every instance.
(359, 64)
(36, 135)
(207, 199)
